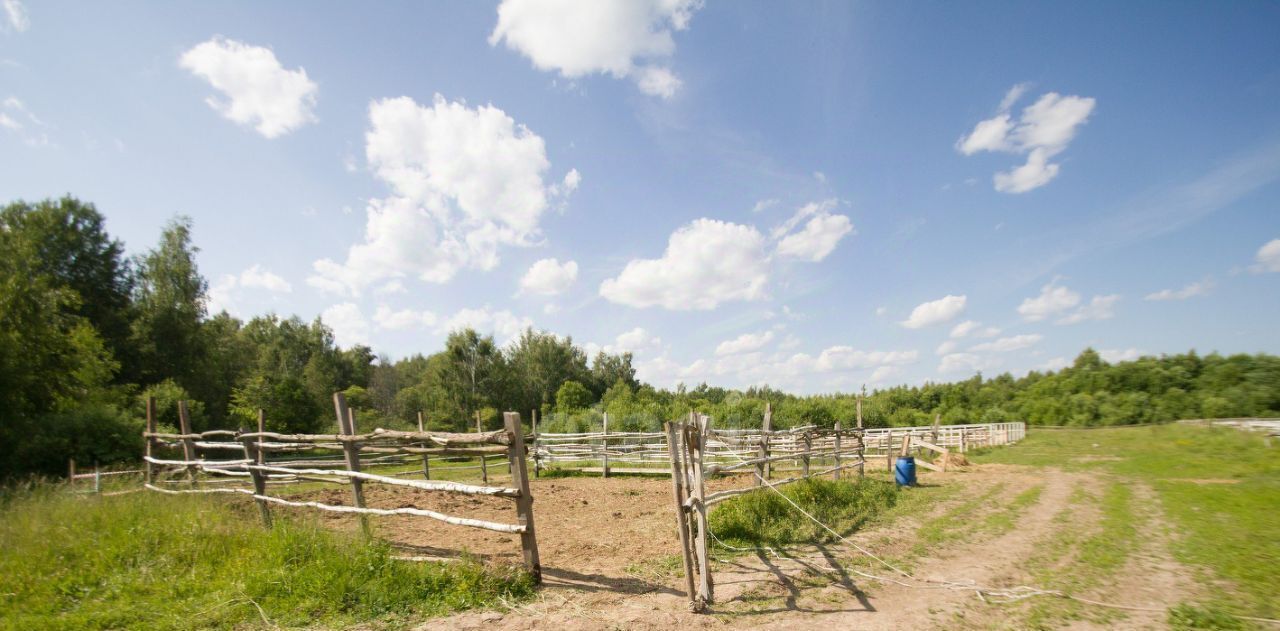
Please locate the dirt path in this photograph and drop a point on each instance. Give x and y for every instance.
(603, 544)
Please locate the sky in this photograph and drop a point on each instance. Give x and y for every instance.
(811, 195)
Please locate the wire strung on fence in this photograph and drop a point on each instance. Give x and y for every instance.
(257, 467)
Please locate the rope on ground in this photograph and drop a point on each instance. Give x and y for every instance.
(1004, 595)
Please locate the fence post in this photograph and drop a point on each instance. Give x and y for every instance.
(71, 472)
(262, 428)
(963, 447)
(937, 420)
(767, 428)
(426, 460)
(537, 460)
(151, 428)
(835, 475)
(484, 464)
(351, 450)
(888, 451)
(188, 445)
(253, 452)
(862, 438)
(604, 445)
(697, 445)
(524, 503)
(807, 437)
(97, 478)
(678, 484)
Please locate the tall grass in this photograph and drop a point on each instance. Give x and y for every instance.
(144, 561)
(762, 517)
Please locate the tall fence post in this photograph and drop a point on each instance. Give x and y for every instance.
(679, 484)
(351, 450)
(188, 444)
(767, 428)
(151, 428)
(253, 453)
(937, 420)
(888, 451)
(696, 441)
(71, 472)
(537, 459)
(862, 438)
(484, 463)
(426, 460)
(604, 446)
(524, 503)
(807, 439)
(836, 474)
(97, 477)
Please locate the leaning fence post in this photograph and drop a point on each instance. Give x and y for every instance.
(351, 450)
(698, 444)
(604, 445)
(188, 444)
(678, 484)
(426, 460)
(524, 503)
(151, 428)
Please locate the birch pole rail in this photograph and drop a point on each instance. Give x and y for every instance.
(249, 463)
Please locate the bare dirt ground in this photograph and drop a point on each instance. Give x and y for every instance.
(607, 549)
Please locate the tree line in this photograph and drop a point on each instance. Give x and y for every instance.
(87, 334)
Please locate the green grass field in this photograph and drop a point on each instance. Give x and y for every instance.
(147, 561)
(1219, 489)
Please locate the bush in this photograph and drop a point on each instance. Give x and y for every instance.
(762, 517)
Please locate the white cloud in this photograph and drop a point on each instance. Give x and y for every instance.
(1192, 290)
(502, 324)
(1055, 364)
(227, 291)
(975, 328)
(966, 362)
(1053, 299)
(348, 324)
(464, 181)
(821, 233)
(946, 348)
(1114, 355)
(637, 340)
(20, 121)
(571, 181)
(1099, 308)
(549, 277)
(883, 373)
(706, 262)
(1268, 258)
(745, 343)
(935, 312)
(1008, 344)
(16, 16)
(764, 204)
(1044, 130)
(259, 91)
(404, 319)
(779, 368)
(598, 36)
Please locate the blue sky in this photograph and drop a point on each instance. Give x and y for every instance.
(812, 195)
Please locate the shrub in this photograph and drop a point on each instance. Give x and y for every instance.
(762, 517)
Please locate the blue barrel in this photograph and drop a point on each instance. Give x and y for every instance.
(904, 472)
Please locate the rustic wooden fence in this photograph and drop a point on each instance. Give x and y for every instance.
(251, 469)
(607, 452)
(817, 452)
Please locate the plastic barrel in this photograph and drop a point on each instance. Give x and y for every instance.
(904, 471)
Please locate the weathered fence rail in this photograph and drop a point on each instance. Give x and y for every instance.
(244, 463)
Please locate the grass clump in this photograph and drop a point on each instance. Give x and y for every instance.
(763, 518)
(145, 561)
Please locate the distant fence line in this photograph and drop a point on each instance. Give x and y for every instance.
(1269, 425)
(253, 471)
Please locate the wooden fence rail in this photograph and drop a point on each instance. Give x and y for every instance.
(242, 462)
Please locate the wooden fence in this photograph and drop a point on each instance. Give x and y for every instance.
(254, 466)
(607, 452)
(691, 460)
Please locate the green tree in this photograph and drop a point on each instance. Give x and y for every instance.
(170, 299)
(573, 397)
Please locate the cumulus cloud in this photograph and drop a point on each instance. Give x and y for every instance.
(946, 348)
(1190, 291)
(1099, 308)
(745, 343)
(706, 262)
(822, 231)
(503, 324)
(1115, 355)
(1044, 130)
(258, 90)
(15, 15)
(935, 312)
(348, 324)
(464, 181)
(1008, 344)
(227, 291)
(756, 367)
(403, 319)
(1268, 258)
(622, 38)
(549, 277)
(974, 328)
(1053, 299)
(966, 362)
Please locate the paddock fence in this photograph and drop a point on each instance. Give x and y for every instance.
(251, 463)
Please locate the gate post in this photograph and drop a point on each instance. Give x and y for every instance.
(524, 503)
